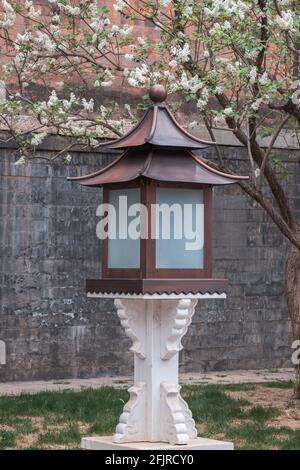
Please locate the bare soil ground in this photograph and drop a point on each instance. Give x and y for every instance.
(282, 399)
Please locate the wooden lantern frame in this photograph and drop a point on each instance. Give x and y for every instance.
(148, 267)
(158, 152)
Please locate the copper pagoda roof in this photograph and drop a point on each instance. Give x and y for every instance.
(158, 164)
(158, 148)
(158, 127)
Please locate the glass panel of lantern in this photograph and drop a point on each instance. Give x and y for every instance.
(123, 242)
(179, 226)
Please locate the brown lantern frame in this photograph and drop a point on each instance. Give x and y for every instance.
(158, 152)
(148, 267)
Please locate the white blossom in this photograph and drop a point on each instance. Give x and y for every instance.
(227, 25)
(9, 16)
(138, 76)
(108, 74)
(169, 75)
(2, 92)
(129, 56)
(44, 41)
(126, 30)
(215, 28)
(201, 104)
(257, 104)
(285, 21)
(24, 38)
(250, 54)
(77, 129)
(53, 100)
(173, 63)
(33, 13)
(133, 82)
(21, 161)
(142, 41)
(219, 90)
(68, 158)
(173, 87)
(228, 111)
(119, 5)
(264, 79)
(253, 75)
(73, 11)
(219, 120)
(67, 104)
(37, 139)
(187, 10)
(193, 124)
(88, 105)
(181, 53)
(238, 8)
(55, 30)
(93, 142)
(191, 85)
(55, 19)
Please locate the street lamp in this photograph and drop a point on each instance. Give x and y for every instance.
(156, 264)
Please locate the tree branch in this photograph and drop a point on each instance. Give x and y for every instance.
(269, 150)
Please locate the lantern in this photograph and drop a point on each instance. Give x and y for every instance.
(159, 185)
(156, 228)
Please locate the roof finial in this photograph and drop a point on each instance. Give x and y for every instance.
(158, 93)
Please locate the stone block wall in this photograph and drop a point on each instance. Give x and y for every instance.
(48, 247)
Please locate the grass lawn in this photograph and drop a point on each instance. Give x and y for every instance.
(259, 416)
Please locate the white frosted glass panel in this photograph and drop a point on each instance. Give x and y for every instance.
(179, 228)
(123, 252)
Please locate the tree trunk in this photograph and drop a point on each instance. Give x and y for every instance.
(292, 282)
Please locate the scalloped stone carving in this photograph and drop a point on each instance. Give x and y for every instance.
(178, 314)
(178, 426)
(131, 427)
(132, 316)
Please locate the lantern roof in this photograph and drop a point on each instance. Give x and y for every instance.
(158, 164)
(158, 148)
(158, 127)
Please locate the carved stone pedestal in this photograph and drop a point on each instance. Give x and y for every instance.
(155, 412)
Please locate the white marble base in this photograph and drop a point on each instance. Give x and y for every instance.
(155, 412)
(105, 443)
(156, 416)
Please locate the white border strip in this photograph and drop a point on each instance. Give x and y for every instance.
(122, 295)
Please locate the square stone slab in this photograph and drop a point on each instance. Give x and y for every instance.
(105, 443)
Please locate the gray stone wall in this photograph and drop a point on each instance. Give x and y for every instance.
(48, 247)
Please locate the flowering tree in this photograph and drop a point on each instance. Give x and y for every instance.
(235, 61)
(72, 46)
